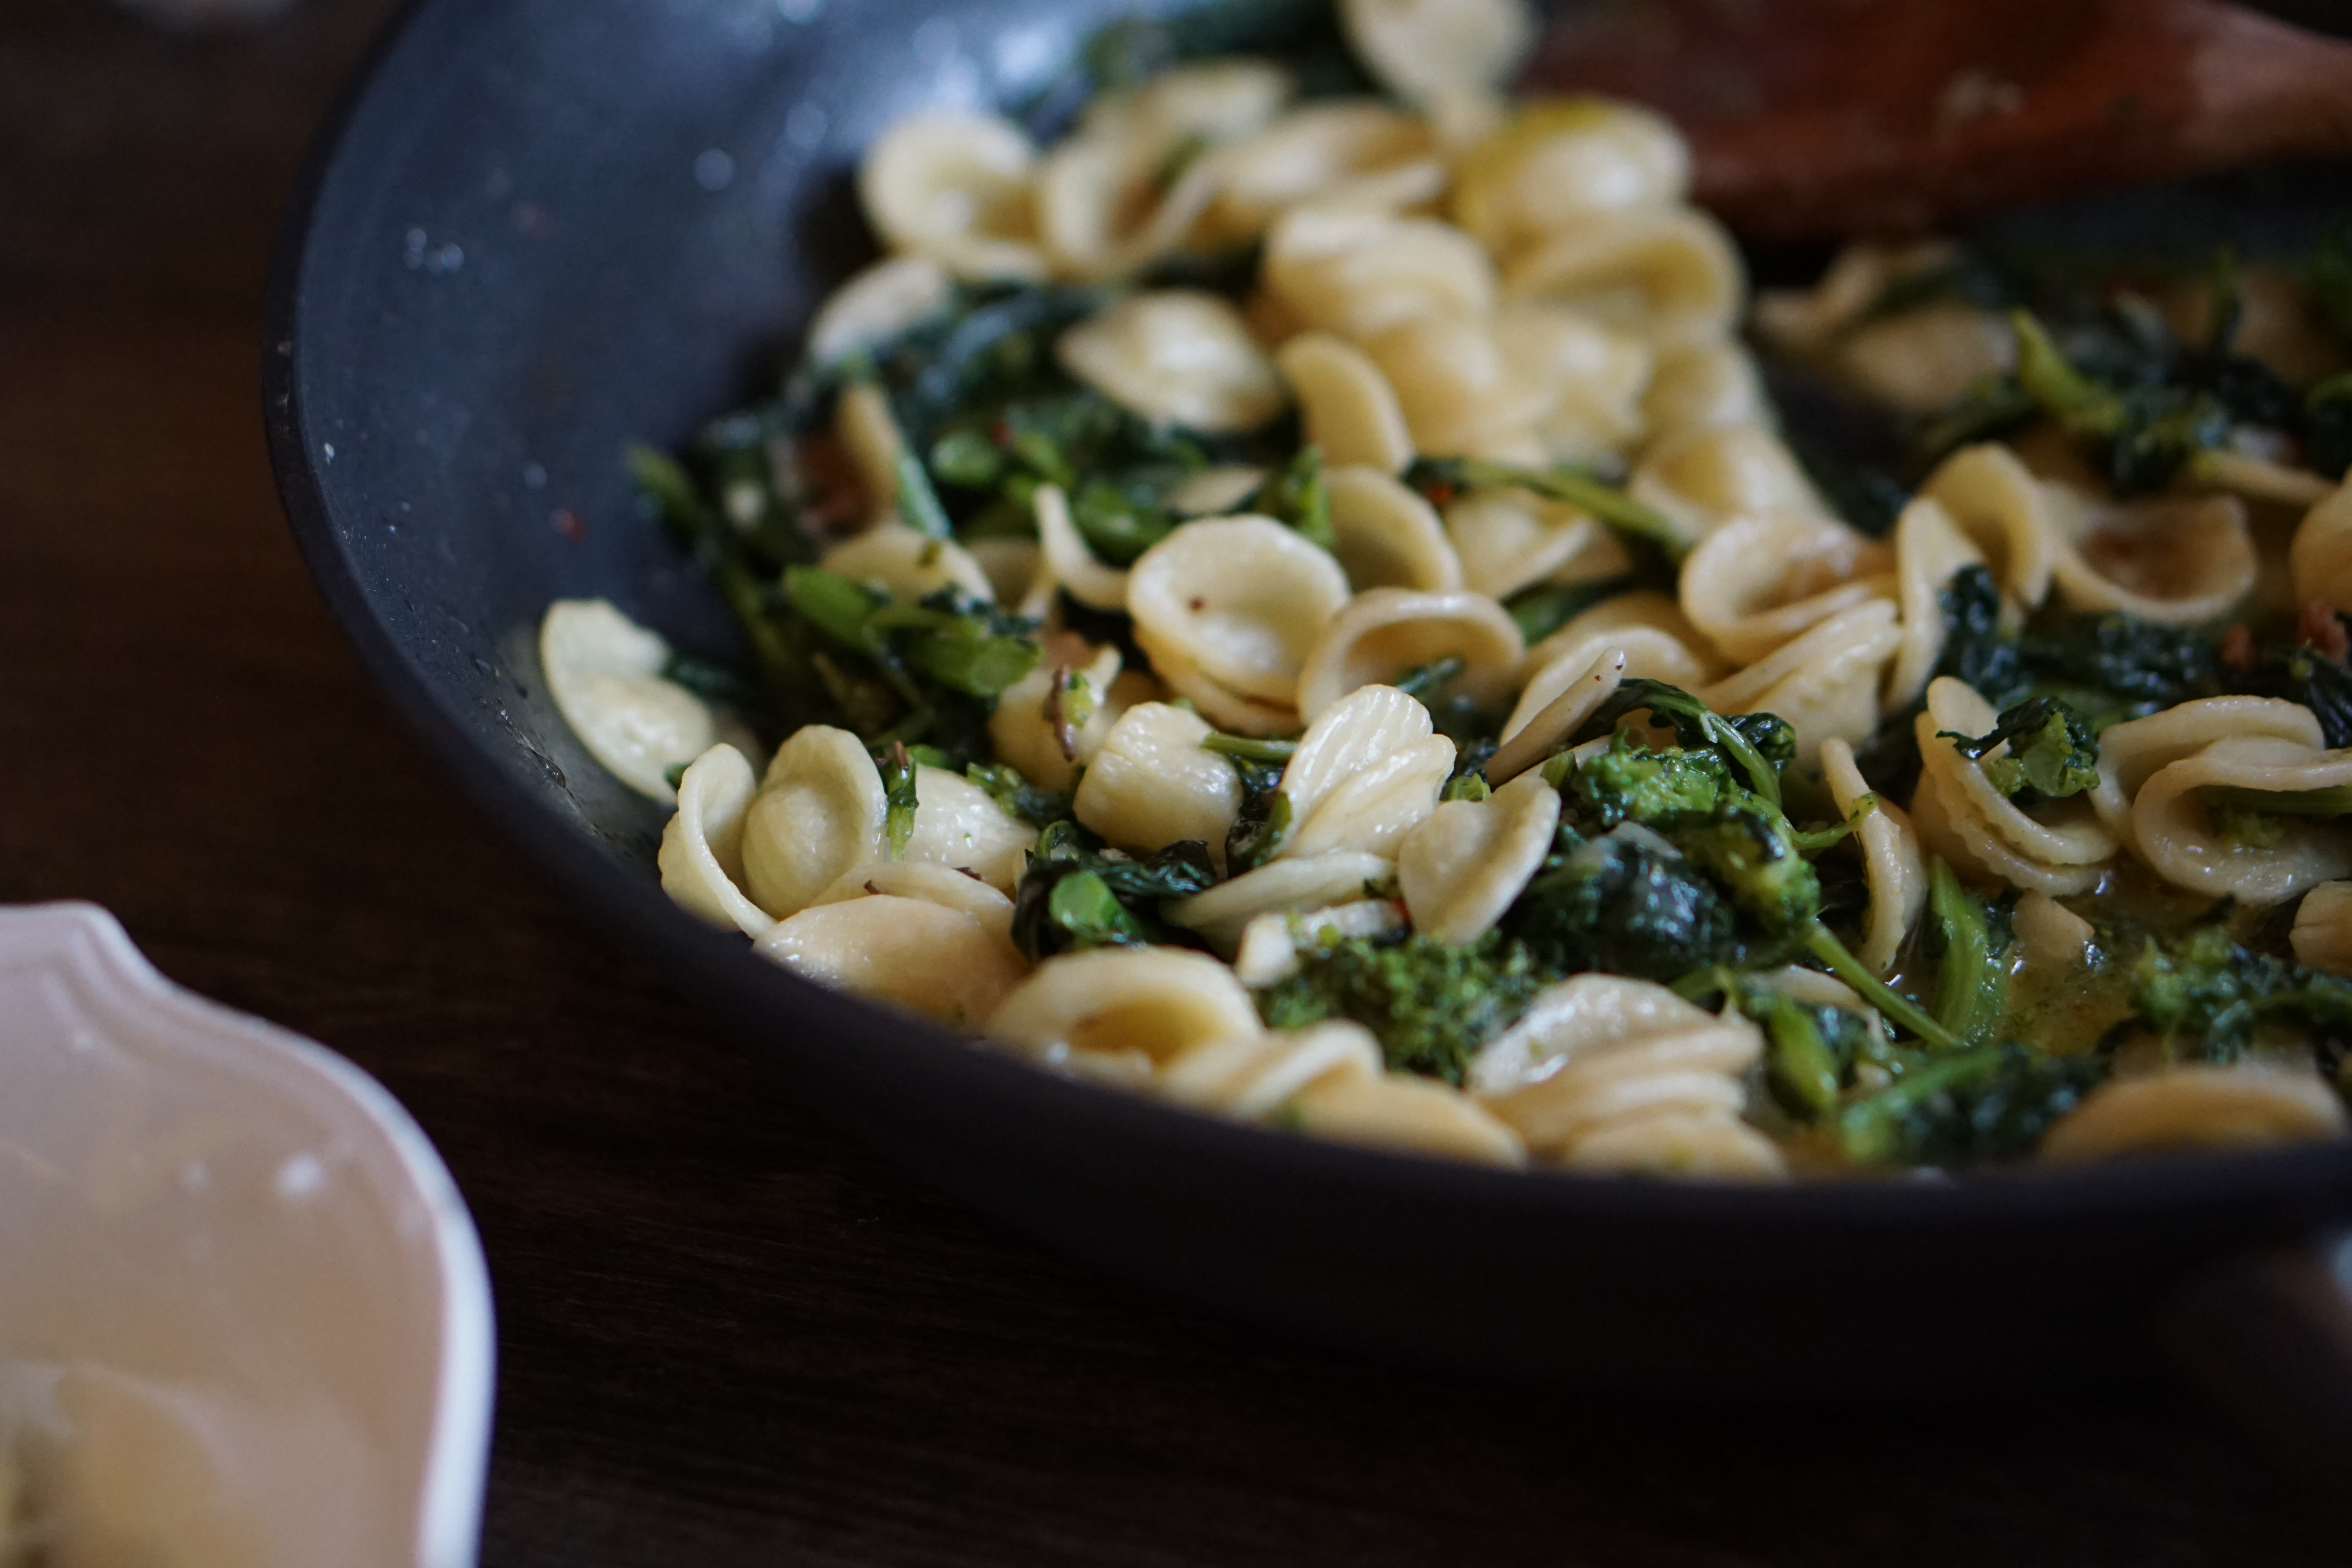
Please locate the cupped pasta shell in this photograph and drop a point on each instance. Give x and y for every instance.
(1251, 1076)
(1152, 785)
(908, 562)
(959, 823)
(1120, 1012)
(1372, 724)
(1400, 1111)
(1208, 101)
(1438, 49)
(2322, 938)
(1506, 538)
(1345, 150)
(1386, 535)
(1233, 711)
(2321, 555)
(1355, 272)
(1222, 913)
(1068, 564)
(1929, 550)
(2179, 561)
(1963, 818)
(1890, 865)
(2136, 750)
(1385, 632)
(1176, 356)
(955, 186)
(1215, 492)
(1346, 404)
(1659, 642)
(1268, 952)
(1758, 581)
(1696, 386)
(1554, 164)
(2005, 511)
(868, 432)
(2172, 828)
(878, 305)
(1825, 683)
(1555, 705)
(925, 956)
(1013, 567)
(603, 670)
(1240, 599)
(1460, 394)
(2197, 1107)
(701, 855)
(1702, 476)
(1610, 1073)
(928, 881)
(1670, 275)
(820, 810)
(1023, 730)
(1101, 207)
(1586, 381)
(1374, 808)
(1462, 867)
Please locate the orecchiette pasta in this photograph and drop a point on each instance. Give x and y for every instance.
(1825, 683)
(1122, 1012)
(701, 855)
(1240, 600)
(1890, 859)
(604, 672)
(928, 957)
(2322, 937)
(1963, 816)
(1213, 701)
(1556, 164)
(1387, 536)
(1462, 867)
(2197, 1107)
(1708, 473)
(1607, 1073)
(1758, 581)
(1179, 356)
(1669, 275)
(1346, 404)
(958, 188)
(1152, 785)
(1386, 632)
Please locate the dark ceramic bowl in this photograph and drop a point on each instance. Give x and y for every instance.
(542, 230)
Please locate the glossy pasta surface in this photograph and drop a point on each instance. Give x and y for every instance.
(1284, 591)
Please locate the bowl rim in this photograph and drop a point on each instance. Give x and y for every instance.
(632, 908)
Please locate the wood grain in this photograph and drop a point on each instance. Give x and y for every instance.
(727, 1336)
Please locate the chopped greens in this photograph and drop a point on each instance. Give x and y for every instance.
(1431, 1003)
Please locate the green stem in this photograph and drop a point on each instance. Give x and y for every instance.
(1823, 944)
(1249, 750)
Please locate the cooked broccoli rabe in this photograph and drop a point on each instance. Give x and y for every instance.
(1985, 1102)
(1809, 1051)
(1019, 797)
(1076, 893)
(1631, 782)
(1627, 904)
(1632, 520)
(898, 795)
(1296, 495)
(1968, 939)
(2205, 995)
(2052, 752)
(1432, 1004)
(1758, 745)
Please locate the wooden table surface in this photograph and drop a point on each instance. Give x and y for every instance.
(726, 1333)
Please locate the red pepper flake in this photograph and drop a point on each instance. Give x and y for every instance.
(1196, 604)
(2322, 628)
(2238, 649)
(566, 522)
(836, 497)
(1001, 433)
(1440, 493)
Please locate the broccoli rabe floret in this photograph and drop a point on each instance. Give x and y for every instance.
(2052, 752)
(1810, 1050)
(1432, 1004)
(1630, 782)
(1078, 893)
(1969, 939)
(1753, 855)
(1624, 903)
(2205, 995)
(1988, 1102)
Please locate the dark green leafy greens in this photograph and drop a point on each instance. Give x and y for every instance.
(2205, 995)
(1432, 1004)
(1077, 893)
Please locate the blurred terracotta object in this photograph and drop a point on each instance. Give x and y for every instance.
(1810, 119)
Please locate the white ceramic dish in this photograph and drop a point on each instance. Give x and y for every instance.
(244, 1317)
